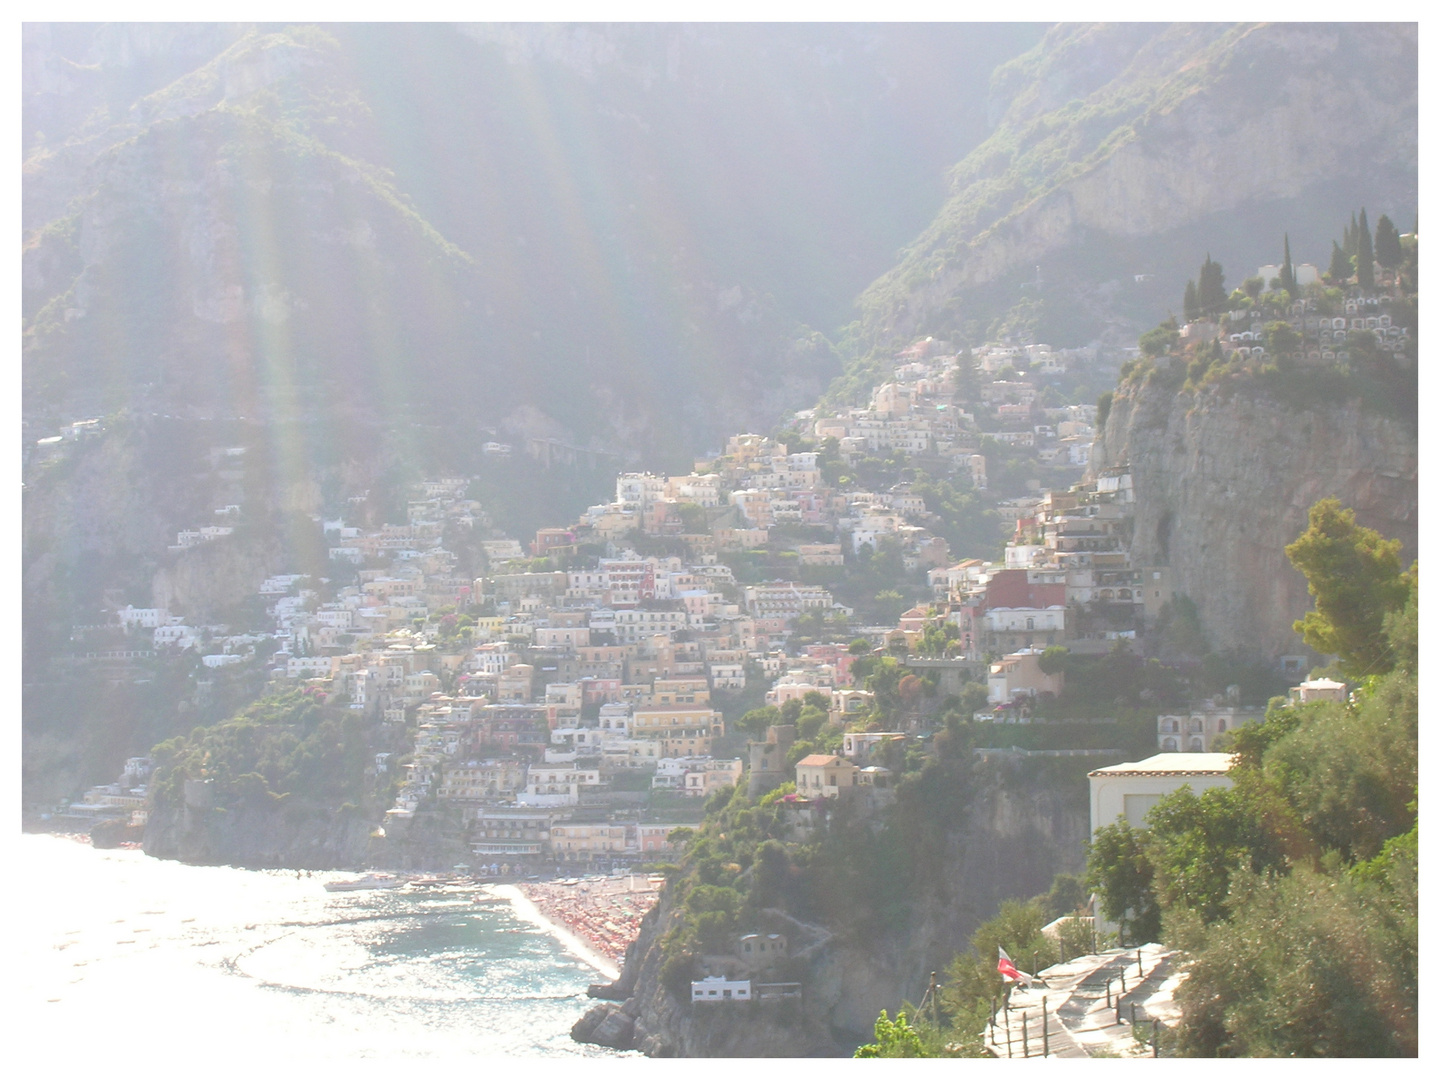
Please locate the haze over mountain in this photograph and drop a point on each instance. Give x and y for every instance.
(1122, 152)
(623, 236)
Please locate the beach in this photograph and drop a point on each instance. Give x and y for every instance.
(597, 917)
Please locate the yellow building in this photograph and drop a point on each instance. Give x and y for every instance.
(682, 732)
(584, 843)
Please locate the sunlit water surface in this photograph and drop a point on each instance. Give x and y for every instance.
(120, 954)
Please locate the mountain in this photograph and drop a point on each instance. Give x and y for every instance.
(1122, 152)
(1224, 480)
(619, 236)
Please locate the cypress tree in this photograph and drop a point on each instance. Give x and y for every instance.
(1350, 243)
(1211, 292)
(1364, 255)
(1192, 301)
(1287, 271)
(1387, 244)
(1340, 268)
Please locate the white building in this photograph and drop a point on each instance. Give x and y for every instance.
(717, 988)
(143, 618)
(1130, 789)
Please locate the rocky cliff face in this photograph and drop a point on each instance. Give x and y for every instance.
(300, 835)
(1124, 150)
(1223, 483)
(1026, 821)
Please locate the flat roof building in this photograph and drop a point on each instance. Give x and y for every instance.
(1131, 788)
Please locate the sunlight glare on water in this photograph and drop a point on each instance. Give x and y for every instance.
(193, 959)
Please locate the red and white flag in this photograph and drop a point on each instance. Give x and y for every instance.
(1008, 971)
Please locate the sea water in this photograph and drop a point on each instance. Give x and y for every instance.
(121, 957)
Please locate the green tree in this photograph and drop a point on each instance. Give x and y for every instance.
(756, 721)
(974, 696)
(1287, 271)
(1364, 256)
(967, 377)
(1054, 658)
(1195, 842)
(1120, 871)
(1356, 578)
(809, 722)
(1340, 267)
(1162, 339)
(1067, 895)
(1253, 287)
(972, 981)
(1102, 408)
(1211, 291)
(1349, 775)
(893, 1039)
(1281, 341)
(1387, 244)
(884, 682)
(1310, 966)
(1192, 301)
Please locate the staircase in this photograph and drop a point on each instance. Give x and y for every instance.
(1081, 1009)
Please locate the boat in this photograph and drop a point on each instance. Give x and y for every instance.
(369, 881)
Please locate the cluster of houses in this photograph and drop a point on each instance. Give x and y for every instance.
(928, 407)
(1323, 327)
(127, 798)
(551, 706)
(733, 502)
(1066, 578)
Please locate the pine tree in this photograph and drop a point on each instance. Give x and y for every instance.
(1287, 271)
(1340, 268)
(1364, 256)
(1192, 301)
(1350, 243)
(1356, 577)
(1387, 244)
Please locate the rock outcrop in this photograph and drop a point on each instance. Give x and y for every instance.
(1223, 482)
(1123, 148)
(298, 835)
(1025, 821)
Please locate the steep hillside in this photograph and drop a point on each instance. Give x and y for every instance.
(870, 908)
(1119, 149)
(1224, 478)
(614, 235)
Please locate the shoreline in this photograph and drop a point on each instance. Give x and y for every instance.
(527, 909)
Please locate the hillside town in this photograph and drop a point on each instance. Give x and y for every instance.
(579, 701)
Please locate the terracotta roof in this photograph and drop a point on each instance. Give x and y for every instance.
(823, 760)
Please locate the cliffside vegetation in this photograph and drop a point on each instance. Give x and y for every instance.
(1295, 891)
(1107, 158)
(281, 747)
(1300, 370)
(1293, 894)
(859, 876)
